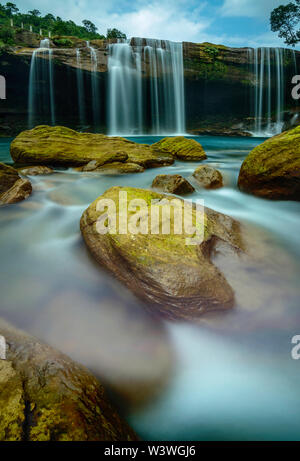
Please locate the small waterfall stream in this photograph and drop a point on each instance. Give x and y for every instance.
(136, 104)
(80, 89)
(94, 84)
(269, 88)
(41, 85)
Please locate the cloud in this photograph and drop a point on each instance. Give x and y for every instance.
(158, 20)
(250, 8)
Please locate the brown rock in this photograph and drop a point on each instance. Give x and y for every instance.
(208, 177)
(118, 168)
(174, 184)
(45, 396)
(13, 189)
(107, 158)
(35, 170)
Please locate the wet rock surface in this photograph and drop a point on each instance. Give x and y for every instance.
(45, 396)
(182, 148)
(272, 169)
(13, 188)
(45, 145)
(173, 278)
(35, 170)
(174, 184)
(208, 177)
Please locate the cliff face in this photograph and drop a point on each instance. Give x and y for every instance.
(219, 81)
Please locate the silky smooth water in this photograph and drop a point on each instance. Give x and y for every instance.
(233, 376)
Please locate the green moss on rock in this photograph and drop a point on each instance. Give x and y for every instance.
(272, 169)
(172, 277)
(45, 396)
(181, 148)
(45, 145)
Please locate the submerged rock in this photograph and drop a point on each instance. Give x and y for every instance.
(13, 189)
(208, 177)
(45, 396)
(118, 168)
(182, 148)
(46, 145)
(173, 277)
(107, 158)
(35, 170)
(174, 184)
(272, 169)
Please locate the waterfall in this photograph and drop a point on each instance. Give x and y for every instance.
(269, 91)
(80, 89)
(94, 84)
(41, 86)
(136, 104)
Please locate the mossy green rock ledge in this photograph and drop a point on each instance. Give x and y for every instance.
(182, 148)
(60, 146)
(272, 169)
(45, 396)
(175, 279)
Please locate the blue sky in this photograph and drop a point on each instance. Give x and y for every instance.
(229, 22)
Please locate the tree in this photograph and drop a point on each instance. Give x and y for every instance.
(286, 21)
(115, 33)
(34, 13)
(11, 8)
(49, 17)
(89, 26)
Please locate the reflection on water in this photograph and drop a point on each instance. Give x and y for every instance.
(232, 376)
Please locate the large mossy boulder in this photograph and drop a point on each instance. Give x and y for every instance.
(272, 169)
(174, 277)
(45, 396)
(13, 188)
(182, 148)
(46, 145)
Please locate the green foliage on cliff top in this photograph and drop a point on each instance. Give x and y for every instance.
(49, 23)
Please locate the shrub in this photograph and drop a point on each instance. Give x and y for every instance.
(7, 35)
(63, 42)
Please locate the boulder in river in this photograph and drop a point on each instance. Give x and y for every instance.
(272, 169)
(171, 271)
(173, 184)
(208, 177)
(13, 188)
(45, 396)
(61, 146)
(181, 148)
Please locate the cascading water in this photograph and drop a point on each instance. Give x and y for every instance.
(138, 105)
(94, 84)
(269, 89)
(41, 86)
(80, 89)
